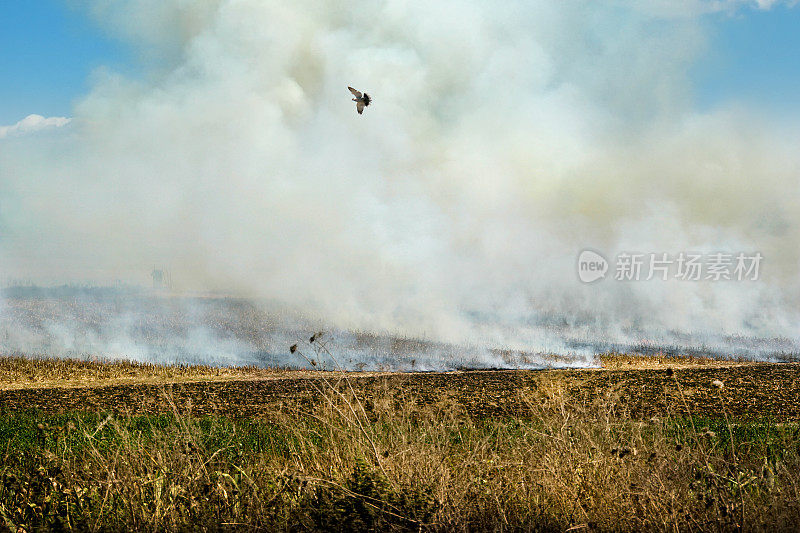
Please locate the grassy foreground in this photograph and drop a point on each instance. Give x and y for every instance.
(391, 463)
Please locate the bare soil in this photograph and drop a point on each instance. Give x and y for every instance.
(752, 390)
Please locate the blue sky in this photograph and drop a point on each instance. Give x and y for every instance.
(754, 56)
(48, 50)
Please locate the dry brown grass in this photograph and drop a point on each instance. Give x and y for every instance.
(625, 361)
(20, 372)
(31, 372)
(394, 464)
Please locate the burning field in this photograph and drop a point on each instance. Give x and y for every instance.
(546, 281)
(178, 329)
(138, 325)
(106, 350)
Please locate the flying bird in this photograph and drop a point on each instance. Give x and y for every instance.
(361, 100)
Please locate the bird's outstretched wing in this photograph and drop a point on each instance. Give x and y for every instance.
(360, 107)
(357, 94)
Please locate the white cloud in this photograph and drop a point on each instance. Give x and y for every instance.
(693, 8)
(768, 4)
(33, 123)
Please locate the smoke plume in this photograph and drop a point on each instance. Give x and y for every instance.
(503, 139)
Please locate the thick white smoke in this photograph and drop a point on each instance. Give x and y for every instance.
(504, 138)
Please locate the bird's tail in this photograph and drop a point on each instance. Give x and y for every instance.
(367, 99)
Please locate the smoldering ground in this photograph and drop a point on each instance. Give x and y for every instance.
(112, 323)
(500, 144)
(134, 324)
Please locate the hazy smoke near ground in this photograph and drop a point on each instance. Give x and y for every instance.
(502, 141)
